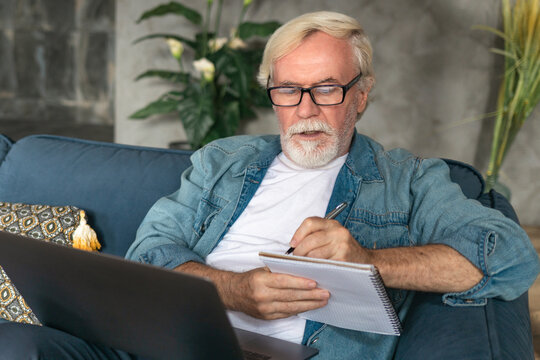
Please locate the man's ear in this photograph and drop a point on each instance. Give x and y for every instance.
(362, 100)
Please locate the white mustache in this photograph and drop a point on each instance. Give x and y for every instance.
(309, 125)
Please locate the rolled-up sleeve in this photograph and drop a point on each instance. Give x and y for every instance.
(496, 245)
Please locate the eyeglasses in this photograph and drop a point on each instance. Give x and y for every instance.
(324, 95)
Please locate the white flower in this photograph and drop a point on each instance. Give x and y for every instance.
(237, 43)
(206, 68)
(216, 44)
(176, 48)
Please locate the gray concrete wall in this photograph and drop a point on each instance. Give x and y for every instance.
(434, 74)
(57, 63)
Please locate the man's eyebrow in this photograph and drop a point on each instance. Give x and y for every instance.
(323, 81)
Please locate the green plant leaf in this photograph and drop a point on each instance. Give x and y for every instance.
(259, 97)
(504, 53)
(174, 76)
(491, 30)
(160, 106)
(201, 46)
(249, 29)
(196, 114)
(226, 125)
(231, 118)
(233, 65)
(173, 8)
(239, 67)
(192, 44)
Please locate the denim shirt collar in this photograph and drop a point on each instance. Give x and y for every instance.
(267, 154)
(361, 159)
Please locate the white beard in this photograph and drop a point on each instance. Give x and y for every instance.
(311, 153)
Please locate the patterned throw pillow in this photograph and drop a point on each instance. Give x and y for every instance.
(12, 304)
(64, 225)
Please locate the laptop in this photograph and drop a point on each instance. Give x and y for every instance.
(142, 309)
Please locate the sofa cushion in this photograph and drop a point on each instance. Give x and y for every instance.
(115, 184)
(12, 304)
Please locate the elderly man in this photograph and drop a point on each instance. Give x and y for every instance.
(266, 193)
(248, 194)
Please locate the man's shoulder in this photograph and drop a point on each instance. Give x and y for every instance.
(391, 164)
(401, 161)
(395, 156)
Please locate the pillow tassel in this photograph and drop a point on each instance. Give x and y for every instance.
(84, 237)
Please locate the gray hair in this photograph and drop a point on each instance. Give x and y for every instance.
(290, 35)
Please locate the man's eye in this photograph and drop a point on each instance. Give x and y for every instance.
(326, 90)
(287, 91)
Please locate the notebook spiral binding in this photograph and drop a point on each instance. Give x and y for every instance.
(377, 282)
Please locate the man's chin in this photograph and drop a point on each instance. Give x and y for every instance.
(310, 154)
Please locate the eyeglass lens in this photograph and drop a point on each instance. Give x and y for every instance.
(321, 95)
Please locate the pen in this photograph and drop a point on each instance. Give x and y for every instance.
(331, 215)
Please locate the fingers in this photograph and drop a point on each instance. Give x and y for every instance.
(327, 239)
(273, 296)
(286, 309)
(310, 226)
(320, 238)
(286, 288)
(284, 281)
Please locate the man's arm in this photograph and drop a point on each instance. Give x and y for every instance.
(434, 268)
(260, 293)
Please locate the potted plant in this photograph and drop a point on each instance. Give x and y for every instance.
(519, 91)
(221, 89)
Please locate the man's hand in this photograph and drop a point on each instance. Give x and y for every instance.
(269, 296)
(327, 239)
(260, 293)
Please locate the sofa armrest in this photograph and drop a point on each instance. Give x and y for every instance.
(499, 330)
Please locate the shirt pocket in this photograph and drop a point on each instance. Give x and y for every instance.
(209, 208)
(379, 231)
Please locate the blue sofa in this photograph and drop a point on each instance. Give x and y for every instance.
(117, 184)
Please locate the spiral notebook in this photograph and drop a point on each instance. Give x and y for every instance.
(358, 298)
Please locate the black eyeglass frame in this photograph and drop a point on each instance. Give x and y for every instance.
(345, 88)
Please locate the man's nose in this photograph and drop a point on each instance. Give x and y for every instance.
(307, 108)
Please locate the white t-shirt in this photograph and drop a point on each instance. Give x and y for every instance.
(287, 195)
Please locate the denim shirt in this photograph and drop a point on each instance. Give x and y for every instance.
(396, 200)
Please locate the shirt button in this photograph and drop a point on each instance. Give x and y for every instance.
(469, 301)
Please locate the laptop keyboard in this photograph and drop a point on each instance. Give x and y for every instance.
(250, 355)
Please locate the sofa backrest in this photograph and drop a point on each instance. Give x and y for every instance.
(115, 184)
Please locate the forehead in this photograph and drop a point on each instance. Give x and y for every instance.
(319, 57)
